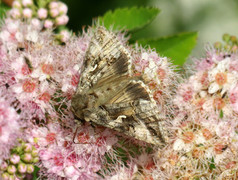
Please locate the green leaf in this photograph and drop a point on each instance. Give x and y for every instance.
(176, 47)
(128, 18)
(36, 169)
(3, 9)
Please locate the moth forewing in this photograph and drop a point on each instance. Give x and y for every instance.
(110, 96)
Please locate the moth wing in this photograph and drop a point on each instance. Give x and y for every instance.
(106, 60)
(133, 112)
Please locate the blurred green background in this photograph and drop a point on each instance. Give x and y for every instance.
(211, 18)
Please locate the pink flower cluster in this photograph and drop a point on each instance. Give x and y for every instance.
(205, 138)
(9, 125)
(81, 158)
(42, 15)
(36, 69)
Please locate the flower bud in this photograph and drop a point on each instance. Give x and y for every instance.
(27, 3)
(15, 159)
(42, 13)
(27, 157)
(34, 153)
(54, 12)
(5, 176)
(63, 9)
(22, 167)
(27, 13)
(12, 177)
(3, 166)
(15, 13)
(30, 168)
(226, 37)
(36, 160)
(217, 45)
(64, 35)
(54, 5)
(18, 149)
(20, 176)
(48, 24)
(28, 147)
(16, 4)
(11, 169)
(36, 23)
(62, 20)
(233, 39)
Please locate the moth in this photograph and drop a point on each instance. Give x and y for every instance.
(109, 95)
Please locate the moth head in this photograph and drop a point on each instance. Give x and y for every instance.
(78, 104)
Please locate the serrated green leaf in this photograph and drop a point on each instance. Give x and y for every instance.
(3, 9)
(128, 18)
(176, 47)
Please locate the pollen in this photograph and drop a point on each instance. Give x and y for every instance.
(47, 69)
(221, 78)
(28, 86)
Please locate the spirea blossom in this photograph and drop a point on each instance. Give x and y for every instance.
(204, 143)
(37, 69)
(64, 154)
(210, 93)
(9, 126)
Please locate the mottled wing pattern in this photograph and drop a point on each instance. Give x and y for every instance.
(105, 58)
(108, 95)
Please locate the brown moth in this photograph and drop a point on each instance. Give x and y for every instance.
(110, 96)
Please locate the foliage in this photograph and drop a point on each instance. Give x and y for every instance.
(129, 18)
(177, 47)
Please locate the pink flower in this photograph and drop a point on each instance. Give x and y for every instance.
(9, 127)
(47, 135)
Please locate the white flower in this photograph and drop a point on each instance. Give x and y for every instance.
(220, 78)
